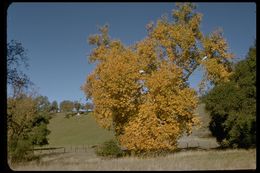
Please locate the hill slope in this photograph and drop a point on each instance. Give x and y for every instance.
(77, 130)
(83, 130)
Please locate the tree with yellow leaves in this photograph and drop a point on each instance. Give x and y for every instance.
(141, 91)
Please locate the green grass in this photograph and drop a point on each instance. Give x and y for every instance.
(84, 130)
(75, 131)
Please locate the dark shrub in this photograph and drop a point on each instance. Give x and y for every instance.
(109, 149)
(232, 106)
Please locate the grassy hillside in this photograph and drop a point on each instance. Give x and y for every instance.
(83, 130)
(77, 130)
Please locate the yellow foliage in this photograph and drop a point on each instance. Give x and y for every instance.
(141, 91)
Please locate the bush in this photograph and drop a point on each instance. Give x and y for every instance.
(20, 150)
(152, 153)
(27, 126)
(69, 114)
(109, 149)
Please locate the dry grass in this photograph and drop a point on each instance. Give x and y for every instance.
(184, 160)
(200, 137)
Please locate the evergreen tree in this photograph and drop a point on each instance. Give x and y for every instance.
(232, 106)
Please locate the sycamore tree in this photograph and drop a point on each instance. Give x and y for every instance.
(141, 91)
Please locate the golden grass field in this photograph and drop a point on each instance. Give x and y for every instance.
(184, 160)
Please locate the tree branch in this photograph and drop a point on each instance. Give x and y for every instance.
(190, 71)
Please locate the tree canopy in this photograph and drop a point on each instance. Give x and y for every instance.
(141, 91)
(27, 121)
(66, 106)
(54, 106)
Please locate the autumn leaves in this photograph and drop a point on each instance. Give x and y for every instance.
(157, 118)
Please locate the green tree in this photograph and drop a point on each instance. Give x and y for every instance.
(66, 106)
(54, 106)
(27, 116)
(43, 104)
(27, 125)
(77, 106)
(232, 106)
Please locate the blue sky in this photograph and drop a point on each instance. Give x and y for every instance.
(55, 35)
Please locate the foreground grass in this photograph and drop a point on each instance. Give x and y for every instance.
(184, 160)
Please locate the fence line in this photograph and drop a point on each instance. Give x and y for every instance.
(199, 145)
(81, 148)
(49, 150)
(86, 148)
(67, 149)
